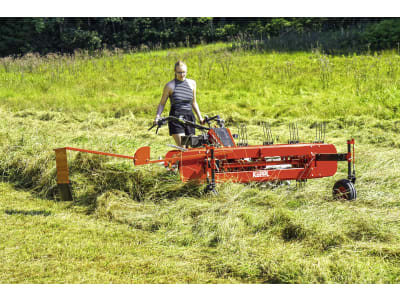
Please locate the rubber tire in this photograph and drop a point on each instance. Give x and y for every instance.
(344, 189)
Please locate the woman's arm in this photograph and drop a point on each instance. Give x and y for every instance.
(194, 103)
(164, 98)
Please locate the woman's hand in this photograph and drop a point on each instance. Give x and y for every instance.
(156, 120)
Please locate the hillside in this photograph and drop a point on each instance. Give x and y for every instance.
(150, 227)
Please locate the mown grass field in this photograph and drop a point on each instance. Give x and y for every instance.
(141, 224)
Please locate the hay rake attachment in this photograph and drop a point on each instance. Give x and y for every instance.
(213, 157)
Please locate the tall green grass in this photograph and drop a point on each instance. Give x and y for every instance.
(168, 231)
(263, 85)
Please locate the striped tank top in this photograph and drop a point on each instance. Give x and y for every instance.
(182, 97)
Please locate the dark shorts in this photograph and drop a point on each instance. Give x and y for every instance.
(176, 127)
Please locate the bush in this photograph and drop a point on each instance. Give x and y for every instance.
(383, 35)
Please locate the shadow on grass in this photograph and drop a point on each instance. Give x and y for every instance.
(140, 185)
(27, 212)
(92, 176)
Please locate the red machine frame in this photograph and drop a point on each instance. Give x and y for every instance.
(217, 158)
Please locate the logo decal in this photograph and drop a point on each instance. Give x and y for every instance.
(262, 173)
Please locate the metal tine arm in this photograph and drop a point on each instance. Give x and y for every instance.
(293, 133)
(268, 140)
(320, 130)
(243, 135)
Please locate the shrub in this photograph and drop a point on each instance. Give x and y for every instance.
(383, 35)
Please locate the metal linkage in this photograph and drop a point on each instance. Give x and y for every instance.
(268, 140)
(177, 147)
(320, 130)
(294, 133)
(242, 135)
(210, 164)
(351, 163)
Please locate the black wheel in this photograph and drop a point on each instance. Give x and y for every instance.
(344, 189)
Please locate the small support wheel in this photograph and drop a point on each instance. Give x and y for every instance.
(344, 189)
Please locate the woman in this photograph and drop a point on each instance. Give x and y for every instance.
(182, 93)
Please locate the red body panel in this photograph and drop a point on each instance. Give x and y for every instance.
(142, 156)
(255, 163)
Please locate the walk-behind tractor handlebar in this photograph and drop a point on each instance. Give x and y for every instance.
(163, 121)
(214, 157)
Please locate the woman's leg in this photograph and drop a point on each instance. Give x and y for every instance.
(177, 138)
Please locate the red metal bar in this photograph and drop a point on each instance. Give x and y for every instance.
(266, 175)
(259, 163)
(98, 152)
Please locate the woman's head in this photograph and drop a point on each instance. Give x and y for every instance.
(180, 70)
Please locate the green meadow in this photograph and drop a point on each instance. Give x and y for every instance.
(141, 224)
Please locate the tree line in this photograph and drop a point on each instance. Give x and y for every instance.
(19, 36)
